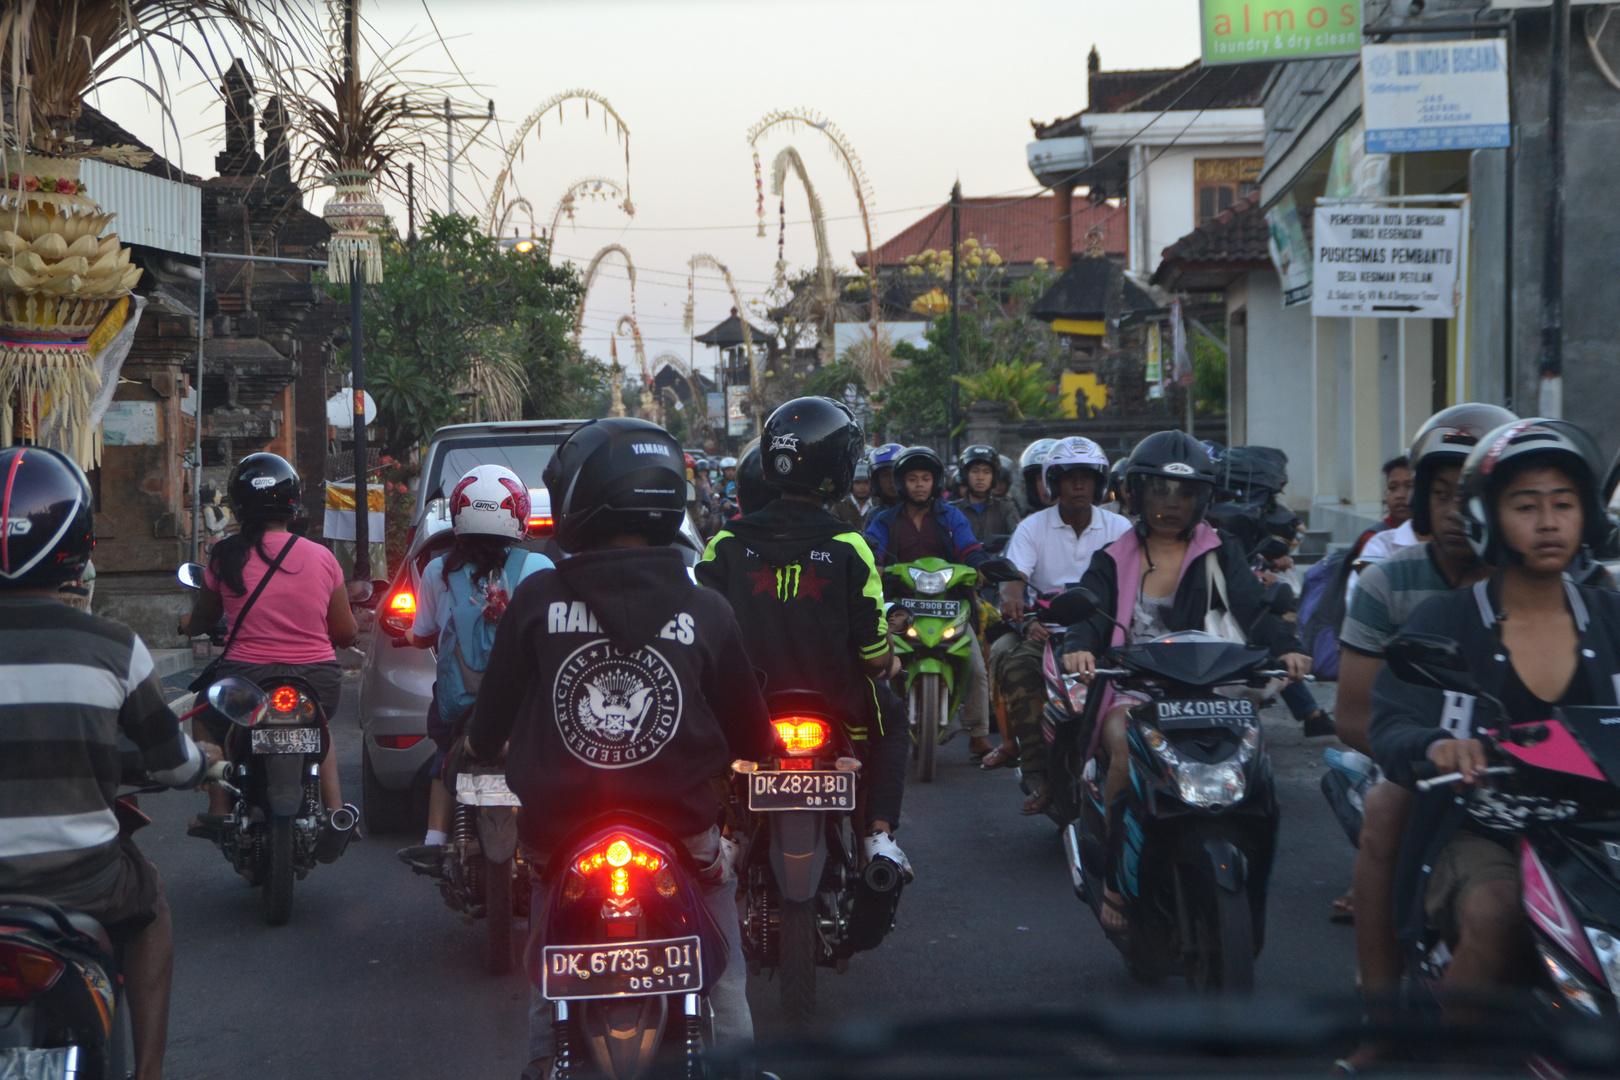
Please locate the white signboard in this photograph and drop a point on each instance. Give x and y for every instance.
(1438, 95)
(736, 417)
(130, 423)
(1384, 262)
(1289, 252)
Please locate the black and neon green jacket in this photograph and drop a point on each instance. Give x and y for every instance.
(809, 600)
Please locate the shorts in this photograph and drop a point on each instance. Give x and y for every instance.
(326, 679)
(1468, 861)
(130, 906)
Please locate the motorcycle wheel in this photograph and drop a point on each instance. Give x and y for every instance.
(1223, 933)
(278, 871)
(925, 724)
(796, 961)
(498, 913)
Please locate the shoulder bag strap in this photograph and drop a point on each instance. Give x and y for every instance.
(257, 589)
(1217, 583)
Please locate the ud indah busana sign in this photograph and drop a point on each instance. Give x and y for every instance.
(1249, 31)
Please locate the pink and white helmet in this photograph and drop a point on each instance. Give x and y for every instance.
(1075, 452)
(491, 500)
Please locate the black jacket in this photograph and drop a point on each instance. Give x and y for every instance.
(1407, 719)
(809, 599)
(622, 686)
(1191, 603)
(996, 516)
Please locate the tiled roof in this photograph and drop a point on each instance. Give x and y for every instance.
(1020, 230)
(101, 130)
(1082, 293)
(1234, 86)
(1236, 234)
(729, 334)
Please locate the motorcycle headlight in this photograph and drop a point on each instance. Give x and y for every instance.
(930, 582)
(1209, 785)
(1077, 693)
(1571, 987)
(1608, 956)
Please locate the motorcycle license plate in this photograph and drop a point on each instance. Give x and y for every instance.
(296, 740)
(623, 969)
(32, 1064)
(1204, 713)
(801, 791)
(484, 790)
(938, 609)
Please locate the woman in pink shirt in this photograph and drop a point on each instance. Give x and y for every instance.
(299, 619)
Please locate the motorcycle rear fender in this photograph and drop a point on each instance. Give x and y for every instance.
(497, 832)
(284, 783)
(798, 852)
(1227, 864)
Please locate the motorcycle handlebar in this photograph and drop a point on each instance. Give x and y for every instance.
(1456, 777)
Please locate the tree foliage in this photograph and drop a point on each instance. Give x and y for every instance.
(458, 323)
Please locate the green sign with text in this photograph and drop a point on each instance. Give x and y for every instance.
(1254, 31)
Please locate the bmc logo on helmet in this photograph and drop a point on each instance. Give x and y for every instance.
(18, 526)
(483, 504)
(261, 482)
(1179, 468)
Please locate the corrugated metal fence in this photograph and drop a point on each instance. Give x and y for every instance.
(152, 211)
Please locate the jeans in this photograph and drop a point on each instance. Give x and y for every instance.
(1299, 699)
(733, 1023)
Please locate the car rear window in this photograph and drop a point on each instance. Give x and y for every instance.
(526, 455)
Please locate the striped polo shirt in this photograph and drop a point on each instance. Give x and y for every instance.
(70, 684)
(1385, 597)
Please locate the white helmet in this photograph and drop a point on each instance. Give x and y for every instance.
(491, 500)
(1075, 452)
(728, 463)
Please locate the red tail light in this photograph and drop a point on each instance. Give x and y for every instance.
(400, 612)
(284, 699)
(542, 526)
(618, 853)
(398, 742)
(26, 971)
(801, 735)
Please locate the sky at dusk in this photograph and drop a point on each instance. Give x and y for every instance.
(925, 92)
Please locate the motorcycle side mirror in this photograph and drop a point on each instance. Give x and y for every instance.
(999, 571)
(1432, 661)
(191, 575)
(1074, 605)
(360, 592)
(237, 700)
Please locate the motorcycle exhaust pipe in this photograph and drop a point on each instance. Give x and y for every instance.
(337, 829)
(881, 875)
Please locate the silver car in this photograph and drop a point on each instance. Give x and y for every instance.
(396, 684)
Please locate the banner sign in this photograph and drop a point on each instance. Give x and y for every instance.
(1250, 31)
(1382, 262)
(1289, 252)
(737, 417)
(338, 523)
(1443, 95)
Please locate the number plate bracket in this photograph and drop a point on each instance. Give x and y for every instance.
(623, 969)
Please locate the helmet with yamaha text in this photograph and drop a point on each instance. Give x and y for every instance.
(811, 446)
(1072, 453)
(618, 475)
(264, 487)
(47, 516)
(490, 500)
(1507, 452)
(1447, 438)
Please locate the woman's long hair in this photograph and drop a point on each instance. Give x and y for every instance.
(484, 553)
(230, 555)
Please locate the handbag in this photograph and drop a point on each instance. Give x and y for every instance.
(1220, 622)
(210, 672)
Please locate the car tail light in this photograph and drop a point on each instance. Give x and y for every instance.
(801, 735)
(26, 971)
(400, 612)
(398, 742)
(542, 526)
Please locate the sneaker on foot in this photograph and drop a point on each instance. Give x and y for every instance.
(880, 845)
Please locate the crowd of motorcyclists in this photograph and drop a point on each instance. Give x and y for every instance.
(615, 680)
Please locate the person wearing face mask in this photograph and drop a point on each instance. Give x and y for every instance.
(1535, 640)
(1158, 579)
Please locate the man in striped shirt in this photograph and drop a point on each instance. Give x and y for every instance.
(70, 685)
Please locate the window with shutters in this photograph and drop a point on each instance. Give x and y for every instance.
(1220, 182)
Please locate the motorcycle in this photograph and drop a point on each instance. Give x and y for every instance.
(627, 953)
(938, 599)
(64, 1013)
(807, 901)
(483, 875)
(1564, 773)
(1191, 842)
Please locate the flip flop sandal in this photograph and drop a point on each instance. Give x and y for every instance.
(1343, 911)
(1118, 908)
(1036, 804)
(1004, 756)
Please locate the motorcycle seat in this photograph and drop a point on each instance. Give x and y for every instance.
(52, 922)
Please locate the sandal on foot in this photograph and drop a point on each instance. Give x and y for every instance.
(1112, 902)
(1036, 804)
(1004, 756)
(978, 747)
(1343, 910)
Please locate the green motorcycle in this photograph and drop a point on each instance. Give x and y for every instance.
(934, 648)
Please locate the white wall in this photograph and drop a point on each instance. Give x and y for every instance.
(1164, 181)
(1280, 380)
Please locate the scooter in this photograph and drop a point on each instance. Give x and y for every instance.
(1189, 844)
(1564, 772)
(627, 953)
(807, 901)
(937, 597)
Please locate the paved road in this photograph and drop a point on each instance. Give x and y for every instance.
(376, 978)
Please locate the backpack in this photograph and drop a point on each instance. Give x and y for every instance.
(467, 636)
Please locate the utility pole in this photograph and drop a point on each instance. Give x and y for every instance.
(410, 204)
(956, 294)
(357, 378)
(1551, 366)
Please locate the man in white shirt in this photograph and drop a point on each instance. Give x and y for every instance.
(1381, 546)
(1052, 548)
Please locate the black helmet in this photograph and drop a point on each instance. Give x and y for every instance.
(1446, 438)
(918, 457)
(1512, 448)
(1005, 475)
(812, 444)
(49, 526)
(617, 475)
(753, 492)
(977, 454)
(264, 487)
(1172, 454)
